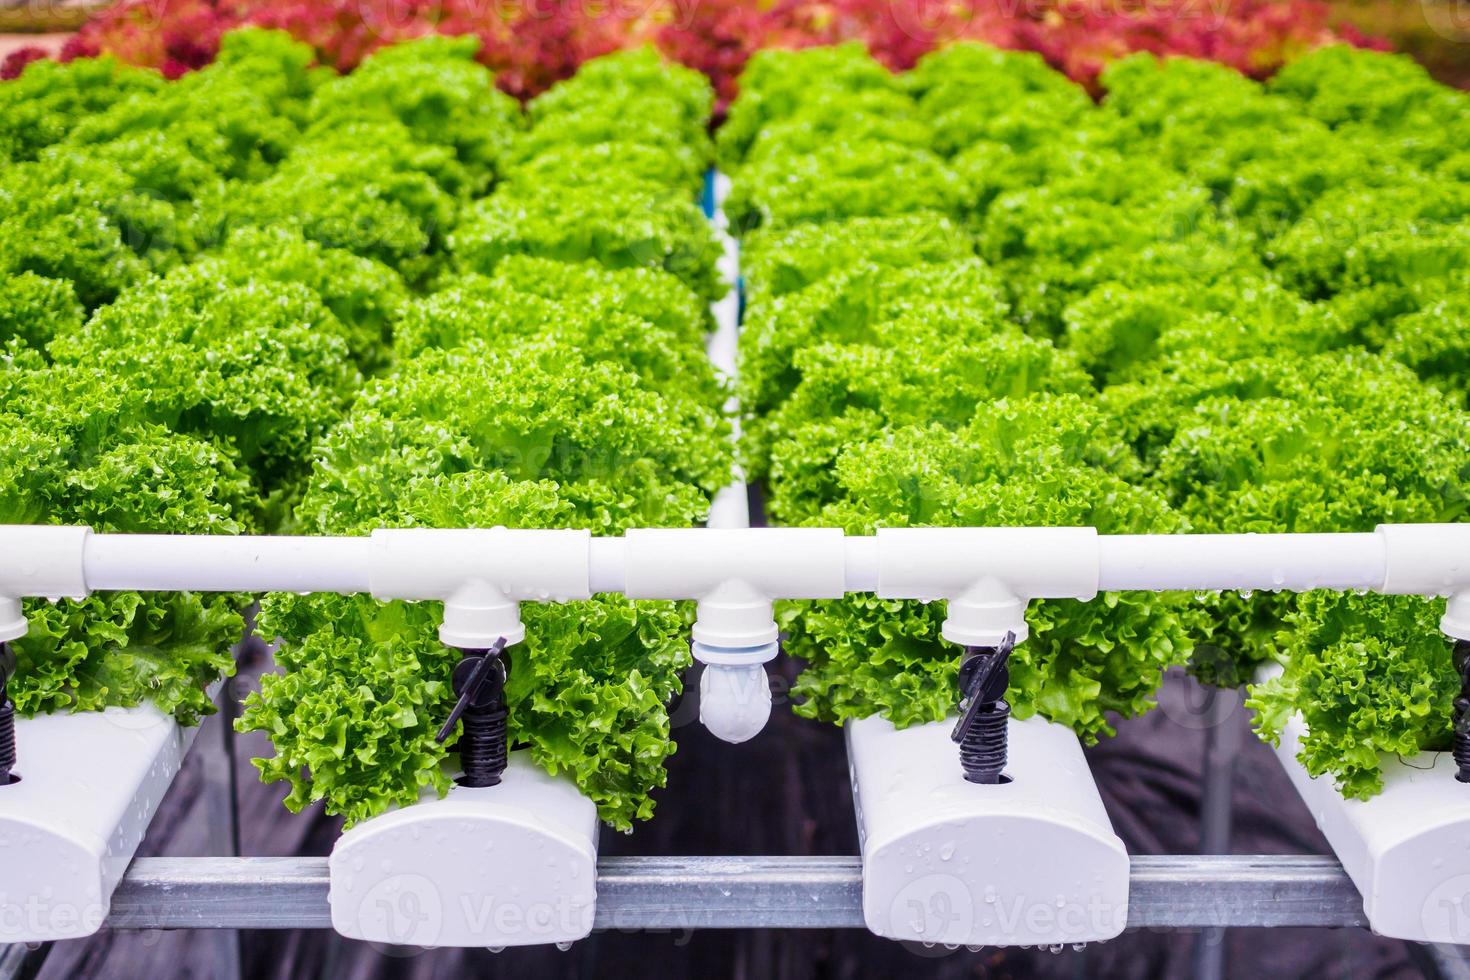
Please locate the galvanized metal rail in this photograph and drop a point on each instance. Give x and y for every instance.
(648, 893)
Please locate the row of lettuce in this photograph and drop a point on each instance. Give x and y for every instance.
(530, 44)
(976, 297)
(268, 298)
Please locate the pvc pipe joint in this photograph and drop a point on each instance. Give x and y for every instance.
(987, 575)
(691, 563)
(13, 623)
(735, 574)
(1456, 620)
(39, 560)
(1430, 559)
(481, 576)
(735, 615)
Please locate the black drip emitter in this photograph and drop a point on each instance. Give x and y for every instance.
(7, 717)
(1461, 749)
(479, 681)
(981, 731)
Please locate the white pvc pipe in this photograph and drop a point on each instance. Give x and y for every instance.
(734, 632)
(863, 569)
(607, 565)
(1204, 562)
(730, 509)
(1430, 559)
(731, 506)
(221, 563)
(723, 345)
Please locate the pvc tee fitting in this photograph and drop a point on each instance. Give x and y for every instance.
(39, 560)
(735, 575)
(988, 575)
(481, 576)
(1430, 559)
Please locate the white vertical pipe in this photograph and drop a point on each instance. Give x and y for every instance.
(734, 691)
(731, 506)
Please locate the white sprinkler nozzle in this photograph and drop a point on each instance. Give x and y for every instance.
(735, 697)
(735, 575)
(735, 637)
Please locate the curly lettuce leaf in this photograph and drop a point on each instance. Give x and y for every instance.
(1045, 461)
(264, 365)
(353, 717)
(851, 393)
(622, 228)
(436, 90)
(859, 304)
(122, 648)
(1369, 675)
(777, 84)
(842, 180)
(777, 261)
(33, 308)
(50, 99)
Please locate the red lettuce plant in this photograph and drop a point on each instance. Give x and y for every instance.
(530, 44)
(15, 62)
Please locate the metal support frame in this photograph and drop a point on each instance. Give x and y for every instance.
(18, 960)
(1222, 745)
(1173, 892)
(221, 796)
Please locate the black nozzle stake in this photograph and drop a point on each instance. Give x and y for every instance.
(1461, 749)
(479, 681)
(981, 731)
(7, 717)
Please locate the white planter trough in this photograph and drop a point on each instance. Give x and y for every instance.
(1030, 862)
(507, 865)
(89, 786)
(1407, 849)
